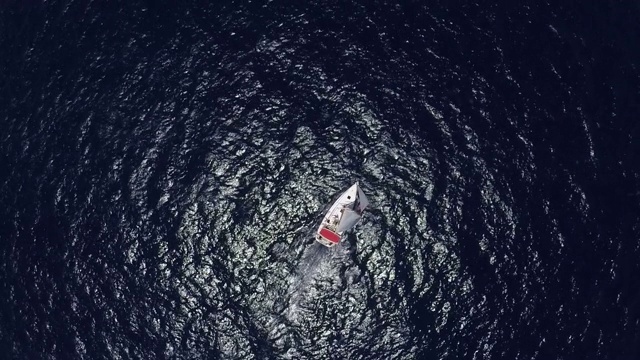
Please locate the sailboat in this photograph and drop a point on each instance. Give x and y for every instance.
(342, 216)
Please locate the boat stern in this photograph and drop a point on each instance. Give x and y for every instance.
(327, 237)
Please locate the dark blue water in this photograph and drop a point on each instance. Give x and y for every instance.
(164, 167)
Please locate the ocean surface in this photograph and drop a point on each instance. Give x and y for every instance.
(163, 168)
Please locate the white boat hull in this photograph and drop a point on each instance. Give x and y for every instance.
(342, 216)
